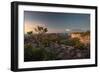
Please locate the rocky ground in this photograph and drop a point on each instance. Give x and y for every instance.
(61, 51)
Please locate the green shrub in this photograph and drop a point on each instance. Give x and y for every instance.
(37, 54)
(32, 54)
(49, 55)
(27, 52)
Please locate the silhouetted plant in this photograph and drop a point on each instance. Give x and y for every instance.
(41, 30)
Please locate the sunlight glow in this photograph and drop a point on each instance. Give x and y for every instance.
(29, 27)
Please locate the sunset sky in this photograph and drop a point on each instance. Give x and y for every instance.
(56, 22)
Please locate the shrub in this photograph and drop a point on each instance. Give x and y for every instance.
(30, 32)
(49, 55)
(37, 54)
(27, 52)
(32, 54)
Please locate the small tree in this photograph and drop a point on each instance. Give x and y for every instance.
(41, 30)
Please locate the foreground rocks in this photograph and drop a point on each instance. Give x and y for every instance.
(54, 50)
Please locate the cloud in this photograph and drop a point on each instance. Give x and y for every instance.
(77, 30)
(67, 30)
(74, 30)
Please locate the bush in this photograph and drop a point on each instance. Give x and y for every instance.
(80, 46)
(32, 54)
(49, 55)
(37, 54)
(30, 32)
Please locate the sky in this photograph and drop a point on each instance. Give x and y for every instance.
(56, 22)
